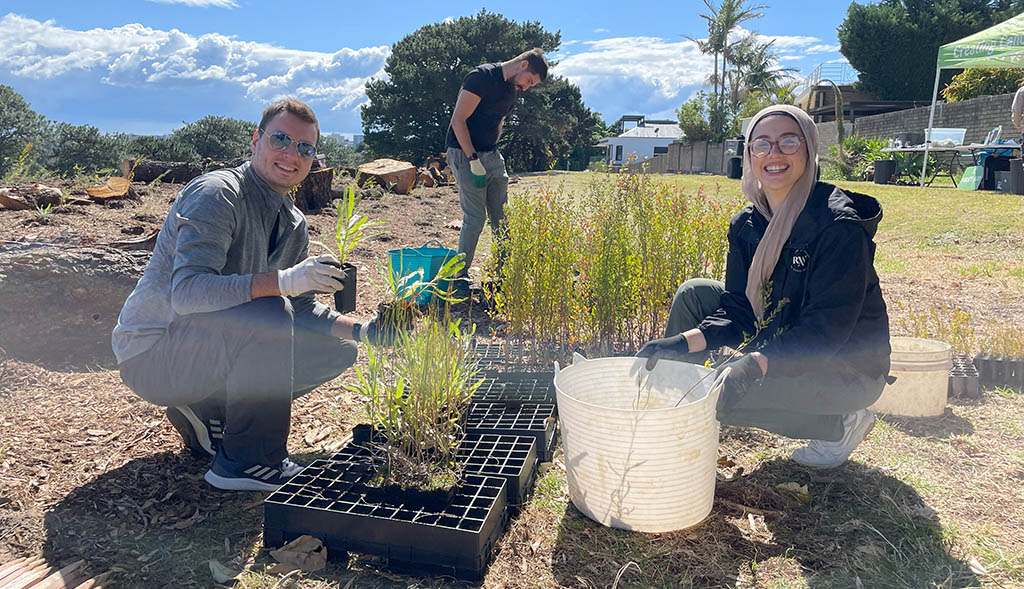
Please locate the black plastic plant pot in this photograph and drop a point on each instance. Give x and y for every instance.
(345, 299)
(527, 419)
(516, 388)
(362, 433)
(324, 501)
(986, 372)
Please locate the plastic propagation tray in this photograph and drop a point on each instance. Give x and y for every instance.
(516, 388)
(513, 458)
(526, 419)
(324, 501)
(964, 380)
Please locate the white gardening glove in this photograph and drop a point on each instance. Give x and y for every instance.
(477, 167)
(309, 275)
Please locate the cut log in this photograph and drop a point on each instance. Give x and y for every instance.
(315, 191)
(59, 304)
(115, 187)
(9, 199)
(425, 179)
(393, 175)
(170, 172)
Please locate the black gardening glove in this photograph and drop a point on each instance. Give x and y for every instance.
(744, 375)
(378, 332)
(669, 348)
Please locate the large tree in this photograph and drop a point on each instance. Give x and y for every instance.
(408, 112)
(894, 44)
(19, 124)
(217, 138)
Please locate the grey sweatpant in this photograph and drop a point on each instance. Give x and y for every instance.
(810, 406)
(479, 204)
(243, 365)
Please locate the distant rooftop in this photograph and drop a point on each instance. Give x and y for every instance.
(644, 127)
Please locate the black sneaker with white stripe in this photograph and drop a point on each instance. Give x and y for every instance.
(201, 435)
(229, 475)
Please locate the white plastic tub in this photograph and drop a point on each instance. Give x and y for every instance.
(921, 368)
(633, 460)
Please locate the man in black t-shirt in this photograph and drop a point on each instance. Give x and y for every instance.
(488, 94)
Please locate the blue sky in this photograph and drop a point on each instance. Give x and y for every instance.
(144, 66)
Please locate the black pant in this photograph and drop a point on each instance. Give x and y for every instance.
(243, 365)
(811, 405)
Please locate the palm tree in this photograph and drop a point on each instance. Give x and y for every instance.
(729, 16)
(713, 44)
(756, 68)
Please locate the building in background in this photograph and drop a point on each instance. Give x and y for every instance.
(639, 139)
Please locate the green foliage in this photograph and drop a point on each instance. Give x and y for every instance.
(338, 154)
(943, 322)
(43, 214)
(975, 82)
(415, 399)
(83, 148)
(352, 227)
(852, 163)
(893, 44)
(595, 271)
(19, 125)
(217, 138)
(707, 118)
(1004, 340)
(409, 110)
(164, 149)
(550, 128)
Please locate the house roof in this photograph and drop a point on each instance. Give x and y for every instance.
(655, 130)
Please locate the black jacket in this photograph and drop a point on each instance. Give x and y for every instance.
(832, 315)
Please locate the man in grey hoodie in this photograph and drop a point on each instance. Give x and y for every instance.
(223, 327)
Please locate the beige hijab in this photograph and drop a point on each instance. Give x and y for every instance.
(780, 222)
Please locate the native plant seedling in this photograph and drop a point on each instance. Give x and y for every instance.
(416, 395)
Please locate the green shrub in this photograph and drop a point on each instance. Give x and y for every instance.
(595, 271)
(975, 82)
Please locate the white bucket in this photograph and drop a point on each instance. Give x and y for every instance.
(921, 368)
(633, 460)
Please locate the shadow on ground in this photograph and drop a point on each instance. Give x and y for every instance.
(158, 524)
(861, 528)
(944, 426)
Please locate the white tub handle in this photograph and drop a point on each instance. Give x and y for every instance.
(578, 358)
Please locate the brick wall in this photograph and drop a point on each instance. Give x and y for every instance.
(978, 116)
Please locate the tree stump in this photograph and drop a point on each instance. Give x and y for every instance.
(398, 177)
(59, 304)
(170, 172)
(315, 191)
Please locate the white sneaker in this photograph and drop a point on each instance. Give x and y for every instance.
(819, 454)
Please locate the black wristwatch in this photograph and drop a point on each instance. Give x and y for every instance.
(474, 156)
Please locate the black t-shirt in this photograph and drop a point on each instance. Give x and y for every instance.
(496, 100)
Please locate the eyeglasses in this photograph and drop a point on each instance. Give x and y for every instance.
(788, 145)
(280, 141)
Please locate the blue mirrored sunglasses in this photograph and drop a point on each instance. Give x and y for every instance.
(280, 141)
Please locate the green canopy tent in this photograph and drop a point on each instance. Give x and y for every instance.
(999, 46)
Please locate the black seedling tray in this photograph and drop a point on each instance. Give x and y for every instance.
(324, 501)
(514, 458)
(514, 388)
(526, 419)
(964, 380)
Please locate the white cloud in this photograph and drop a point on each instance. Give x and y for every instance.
(599, 30)
(840, 60)
(822, 49)
(200, 3)
(137, 56)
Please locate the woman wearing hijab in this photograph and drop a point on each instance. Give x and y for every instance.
(801, 299)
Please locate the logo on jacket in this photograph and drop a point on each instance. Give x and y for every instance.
(799, 261)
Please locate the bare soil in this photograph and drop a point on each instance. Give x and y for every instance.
(89, 470)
